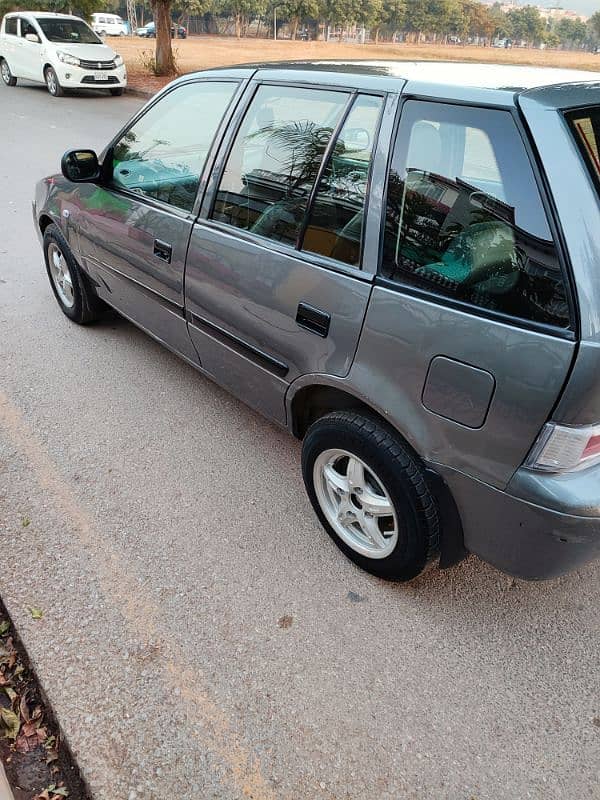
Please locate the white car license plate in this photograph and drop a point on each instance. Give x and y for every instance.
(100, 76)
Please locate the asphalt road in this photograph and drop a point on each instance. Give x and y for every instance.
(163, 529)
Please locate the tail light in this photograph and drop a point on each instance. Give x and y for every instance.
(564, 448)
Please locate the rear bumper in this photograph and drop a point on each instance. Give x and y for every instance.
(541, 527)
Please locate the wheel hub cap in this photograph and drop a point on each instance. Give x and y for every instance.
(61, 276)
(355, 503)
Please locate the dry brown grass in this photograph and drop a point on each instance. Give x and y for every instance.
(213, 51)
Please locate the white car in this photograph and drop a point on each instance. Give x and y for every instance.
(108, 25)
(59, 50)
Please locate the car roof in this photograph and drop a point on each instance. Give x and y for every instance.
(454, 73)
(42, 14)
(488, 84)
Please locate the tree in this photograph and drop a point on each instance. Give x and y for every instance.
(186, 8)
(486, 22)
(594, 23)
(296, 11)
(439, 13)
(570, 32)
(394, 14)
(499, 21)
(459, 18)
(164, 61)
(338, 11)
(81, 8)
(418, 19)
(370, 14)
(241, 11)
(526, 24)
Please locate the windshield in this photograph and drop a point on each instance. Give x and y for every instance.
(74, 31)
(585, 124)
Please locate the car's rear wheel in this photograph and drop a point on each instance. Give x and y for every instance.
(117, 92)
(369, 492)
(52, 83)
(70, 285)
(7, 76)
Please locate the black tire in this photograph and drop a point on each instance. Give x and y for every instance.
(7, 77)
(52, 83)
(401, 475)
(117, 92)
(87, 307)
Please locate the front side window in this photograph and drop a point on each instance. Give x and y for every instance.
(464, 217)
(585, 124)
(10, 26)
(336, 223)
(275, 158)
(64, 30)
(163, 154)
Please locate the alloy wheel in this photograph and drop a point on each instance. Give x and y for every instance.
(51, 81)
(61, 275)
(356, 503)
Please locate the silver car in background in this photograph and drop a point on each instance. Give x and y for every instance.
(398, 262)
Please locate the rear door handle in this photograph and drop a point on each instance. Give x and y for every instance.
(163, 250)
(313, 319)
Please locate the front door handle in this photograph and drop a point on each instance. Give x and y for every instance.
(163, 250)
(313, 319)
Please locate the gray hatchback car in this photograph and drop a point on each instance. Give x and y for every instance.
(398, 262)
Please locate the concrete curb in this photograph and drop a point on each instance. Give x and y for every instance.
(5, 790)
(140, 92)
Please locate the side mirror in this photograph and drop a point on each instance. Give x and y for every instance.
(80, 166)
(32, 37)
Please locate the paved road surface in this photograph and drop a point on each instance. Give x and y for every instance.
(169, 532)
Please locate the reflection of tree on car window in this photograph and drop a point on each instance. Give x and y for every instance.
(297, 146)
(124, 151)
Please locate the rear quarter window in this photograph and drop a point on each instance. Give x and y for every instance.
(464, 217)
(585, 126)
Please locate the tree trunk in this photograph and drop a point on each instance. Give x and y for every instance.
(295, 23)
(165, 62)
(238, 26)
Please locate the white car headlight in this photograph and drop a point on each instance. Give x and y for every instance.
(118, 60)
(67, 58)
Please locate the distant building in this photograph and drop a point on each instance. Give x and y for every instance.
(546, 12)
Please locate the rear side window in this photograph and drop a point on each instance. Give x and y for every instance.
(275, 159)
(464, 218)
(585, 125)
(336, 222)
(10, 26)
